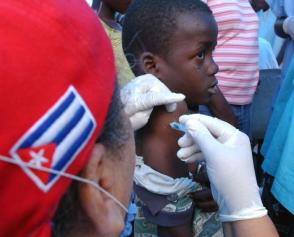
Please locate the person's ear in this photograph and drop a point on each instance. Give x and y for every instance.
(106, 216)
(150, 63)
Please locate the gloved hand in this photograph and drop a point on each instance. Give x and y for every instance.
(189, 151)
(141, 94)
(229, 166)
(288, 26)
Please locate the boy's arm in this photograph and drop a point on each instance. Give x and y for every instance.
(220, 108)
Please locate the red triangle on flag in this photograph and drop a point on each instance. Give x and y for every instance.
(41, 156)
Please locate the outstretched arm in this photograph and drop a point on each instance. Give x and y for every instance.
(254, 227)
(228, 157)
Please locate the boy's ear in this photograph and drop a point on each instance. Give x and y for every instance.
(150, 63)
(104, 214)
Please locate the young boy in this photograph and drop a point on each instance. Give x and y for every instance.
(173, 40)
(106, 12)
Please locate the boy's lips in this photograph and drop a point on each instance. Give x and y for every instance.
(212, 90)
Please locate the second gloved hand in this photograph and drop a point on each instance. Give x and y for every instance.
(229, 164)
(141, 94)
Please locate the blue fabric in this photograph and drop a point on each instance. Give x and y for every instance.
(284, 8)
(242, 112)
(267, 59)
(266, 30)
(289, 52)
(278, 146)
(261, 107)
(130, 217)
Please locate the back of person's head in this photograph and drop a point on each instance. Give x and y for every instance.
(149, 25)
(58, 79)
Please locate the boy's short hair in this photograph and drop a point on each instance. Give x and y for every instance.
(149, 25)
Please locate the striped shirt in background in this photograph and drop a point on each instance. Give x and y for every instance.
(237, 49)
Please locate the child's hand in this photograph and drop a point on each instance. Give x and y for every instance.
(203, 200)
(200, 174)
(143, 93)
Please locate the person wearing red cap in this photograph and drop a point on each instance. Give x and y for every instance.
(53, 104)
(58, 81)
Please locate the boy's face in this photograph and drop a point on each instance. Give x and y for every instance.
(118, 5)
(188, 67)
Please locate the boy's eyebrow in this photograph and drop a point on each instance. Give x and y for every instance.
(205, 44)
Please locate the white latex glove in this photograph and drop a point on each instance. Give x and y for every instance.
(141, 94)
(229, 165)
(189, 151)
(288, 26)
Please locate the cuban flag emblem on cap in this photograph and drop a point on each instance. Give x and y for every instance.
(56, 139)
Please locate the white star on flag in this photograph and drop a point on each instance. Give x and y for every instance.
(38, 158)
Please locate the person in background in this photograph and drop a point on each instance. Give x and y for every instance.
(284, 27)
(266, 27)
(278, 164)
(236, 54)
(278, 192)
(107, 11)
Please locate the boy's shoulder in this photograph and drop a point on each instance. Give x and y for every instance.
(160, 118)
(157, 142)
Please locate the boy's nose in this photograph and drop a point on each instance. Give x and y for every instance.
(213, 68)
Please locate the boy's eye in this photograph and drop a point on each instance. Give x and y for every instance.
(200, 55)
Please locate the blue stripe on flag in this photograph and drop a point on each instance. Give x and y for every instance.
(69, 126)
(73, 149)
(48, 122)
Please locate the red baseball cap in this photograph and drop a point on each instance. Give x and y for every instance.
(57, 79)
